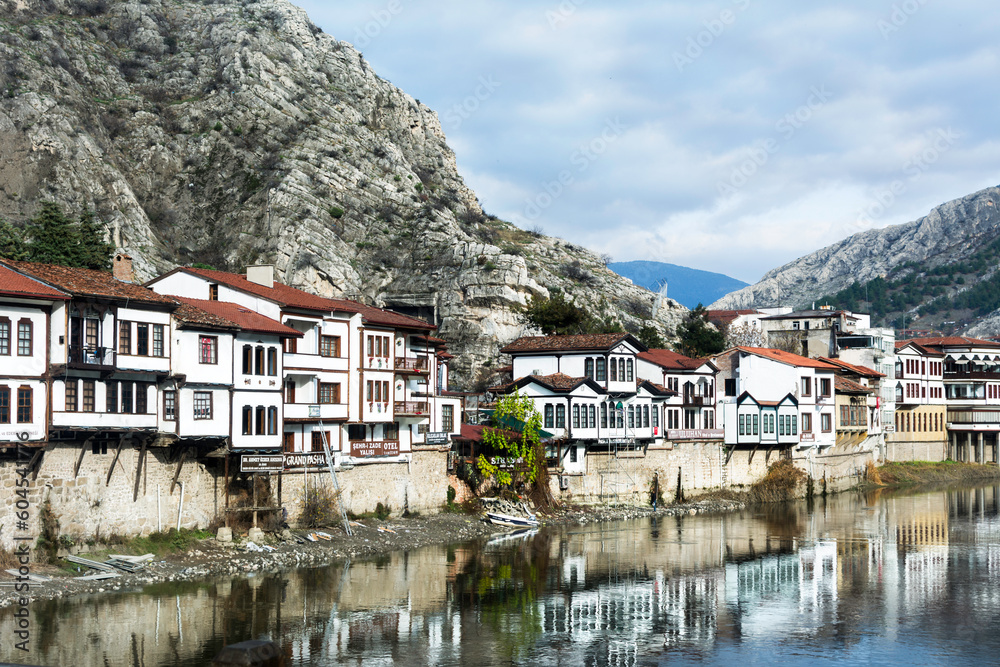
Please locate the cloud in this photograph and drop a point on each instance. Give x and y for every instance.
(568, 68)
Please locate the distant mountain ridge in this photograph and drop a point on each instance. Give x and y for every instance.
(689, 287)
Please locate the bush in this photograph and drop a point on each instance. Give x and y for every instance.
(779, 484)
(320, 508)
(48, 539)
(336, 212)
(218, 126)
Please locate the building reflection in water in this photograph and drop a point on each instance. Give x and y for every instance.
(612, 594)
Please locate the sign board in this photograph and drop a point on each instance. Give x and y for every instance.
(506, 462)
(616, 441)
(261, 462)
(305, 460)
(370, 448)
(807, 437)
(437, 438)
(696, 434)
(314, 411)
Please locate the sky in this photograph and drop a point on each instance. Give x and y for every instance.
(730, 136)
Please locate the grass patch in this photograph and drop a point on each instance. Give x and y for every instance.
(930, 472)
(159, 544)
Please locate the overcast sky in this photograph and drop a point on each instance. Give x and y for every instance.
(730, 136)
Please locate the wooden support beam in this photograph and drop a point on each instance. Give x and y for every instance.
(177, 473)
(79, 460)
(752, 452)
(114, 461)
(767, 455)
(34, 463)
(138, 470)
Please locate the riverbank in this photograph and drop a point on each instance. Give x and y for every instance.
(912, 473)
(208, 558)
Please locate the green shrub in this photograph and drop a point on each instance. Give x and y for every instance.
(218, 127)
(335, 212)
(320, 508)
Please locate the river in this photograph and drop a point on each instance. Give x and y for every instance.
(883, 578)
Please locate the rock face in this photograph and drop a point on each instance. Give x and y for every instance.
(944, 235)
(236, 132)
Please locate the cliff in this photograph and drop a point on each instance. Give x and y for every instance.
(237, 132)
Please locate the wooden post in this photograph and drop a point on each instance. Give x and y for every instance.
(177, 473)
(253, 482)
(138, 470)
(226, 512)
(83, 449)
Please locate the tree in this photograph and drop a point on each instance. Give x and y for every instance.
(523, 451)
(650, 337)
(11, 242)
(557, 315)
(698, 338)
(787, 341)
(745, 335)
(55, 239)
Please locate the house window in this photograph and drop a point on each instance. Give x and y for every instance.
(272, 361)
(754, 425)
(645, 416)
(329, 346)
(614, 370)
(272, 420)
(259, 361)
(112, 397)
(317, 440)
(576, 416)
(4, 405)
(621, 370)
(447, 418)
(781, 424)
(288, 442)
(730, 386)
(291, 345)
(71, 395)
(795, 425)
(261, 421)
(572, 454)
(142, 340)
(202, 405)
(560, 416)
(24, 335)
(588, 367)
(656, 417)
(593, 417)
(621, 417)
(600, 370)
(24, 411)
(88, 395)
(170, 405)
(141, 398)
(4, 336)
(604, 412)
(631, 417)
(158, 340)
(825, 422)
(208, 350)
(125, 338)
(126, 398)
(549, 416)
(247, 359)
(247, 420)
(213, 292)
(845, 415)
(290, 391)
(355, 431)
(329, 392)
(90, 333)
(824, 387)
(807, 386)
(629, 367)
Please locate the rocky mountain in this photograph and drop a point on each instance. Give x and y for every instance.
(232, 132)
(922, 265)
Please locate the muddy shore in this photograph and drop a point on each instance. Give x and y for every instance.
(210, 558)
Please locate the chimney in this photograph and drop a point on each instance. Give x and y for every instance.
(121, 268)
(262, 274)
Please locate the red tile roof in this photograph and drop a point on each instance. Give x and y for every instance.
(295, 298)
(787, 357)
(726, 316)
(863, 371)
(950, 341)
(582, 342)
(241, 317)
(846, 386)
(188, 313)
(87, 282)
(13, 283)
(558, 381)
(671, 360)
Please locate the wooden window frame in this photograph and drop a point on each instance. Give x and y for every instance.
(259, 360)
(71, 404)
(560, 416)
(825, 422)
(195, 401)
(127, 395)
(25, 406)
(211, 345)
(260, 421)
(246, 419)
(328, 393)
(600, 370)
(111, 397)
(806, 386)
(169, 405)
(141, 332)
(248, 359)
(272, 420)
(448, 418)
(5, 335)
(4, 405)
(125, 338)
(329, 346)
(272, 361)
(141, 398)
(30, 328)
(89, 393)
(159, 348)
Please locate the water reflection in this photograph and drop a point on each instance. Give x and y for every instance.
(875, 578)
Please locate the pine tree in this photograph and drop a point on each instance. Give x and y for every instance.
(55, 239)
(93, 252)
(12, 244)
(697, 337)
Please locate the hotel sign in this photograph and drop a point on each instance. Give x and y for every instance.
(305, 460)
(437, 438)
(365, 449)
(696, 434)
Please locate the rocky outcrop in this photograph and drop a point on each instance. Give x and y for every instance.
(946, 234)
(236, 132)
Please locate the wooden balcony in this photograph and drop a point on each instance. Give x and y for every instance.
(414, 408)
(411, 365)
(95, 359)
